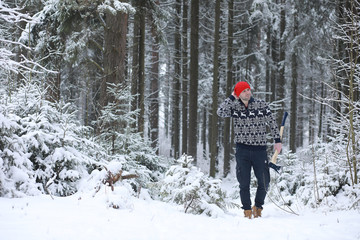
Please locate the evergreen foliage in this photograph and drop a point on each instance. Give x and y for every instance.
(186, 185)
(315, 177)
(121, 141)
(43, 147)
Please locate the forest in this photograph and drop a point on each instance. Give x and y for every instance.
(102, 86)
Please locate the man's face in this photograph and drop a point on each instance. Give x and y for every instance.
(245, 95)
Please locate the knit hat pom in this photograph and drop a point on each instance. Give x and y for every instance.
(241, 86)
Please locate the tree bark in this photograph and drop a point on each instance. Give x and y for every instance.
(185, 77)
(275, 60)
(214, 120)
(229, 83)
(154, 88)
(141, 119)
(177, 83)
(294, 66)
(135, 62)
(114, 53)
(268, 63)
(280, 87)
(353, 52)
(194, 78)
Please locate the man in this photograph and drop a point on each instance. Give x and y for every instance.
(251, 116)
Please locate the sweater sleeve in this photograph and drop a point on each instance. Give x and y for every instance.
(272, 124)
(226, 108)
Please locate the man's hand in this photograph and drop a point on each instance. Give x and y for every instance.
(278, 147)
(233, 93)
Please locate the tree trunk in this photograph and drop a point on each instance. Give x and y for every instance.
(135, 62)
(294, 66)
(214, 120)
(185, 77)
(341, 52)
(229, 83)
(268, 63)
(300, 114)
(53, 88)
(154, 88)
(274, 70)
(203, 130)
(321, 113)
(167, 97)
(177, 87)
(141, 119)
(19, 52)
(194, 78)
(114, 53)
(114, 60)
(280, 87)
(353, 51)
(311, 112)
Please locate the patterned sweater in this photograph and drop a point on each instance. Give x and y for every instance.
(250, 122)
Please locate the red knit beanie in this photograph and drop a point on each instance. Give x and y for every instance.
(241, 86)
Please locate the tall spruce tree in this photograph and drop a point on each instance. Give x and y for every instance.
(194, 78)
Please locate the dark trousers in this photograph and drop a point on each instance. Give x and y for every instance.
(255, 157)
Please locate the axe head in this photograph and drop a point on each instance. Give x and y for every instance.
(275, 167)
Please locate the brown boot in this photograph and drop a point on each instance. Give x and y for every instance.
(256, 211)
(247, 213)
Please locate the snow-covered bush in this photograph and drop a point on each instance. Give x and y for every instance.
(314, 176)
(101, 184)
(119, 139)
(199, 194)
(16, 176)
(289, 180)
(43, 148)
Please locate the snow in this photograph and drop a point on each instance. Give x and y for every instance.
(82, 216)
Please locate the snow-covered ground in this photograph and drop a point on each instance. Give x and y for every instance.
(83, 217)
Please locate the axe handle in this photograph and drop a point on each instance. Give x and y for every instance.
(281, 131)
(274, 157)
(276, 153)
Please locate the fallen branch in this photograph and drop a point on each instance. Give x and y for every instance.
(290, 210)
(111, 179)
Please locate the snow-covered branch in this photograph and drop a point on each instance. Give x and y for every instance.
(115, 6)
(14, 15)
(15, 43)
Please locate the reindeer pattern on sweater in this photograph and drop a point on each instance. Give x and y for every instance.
(250, 123)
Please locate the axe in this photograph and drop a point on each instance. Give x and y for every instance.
(272, 163)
